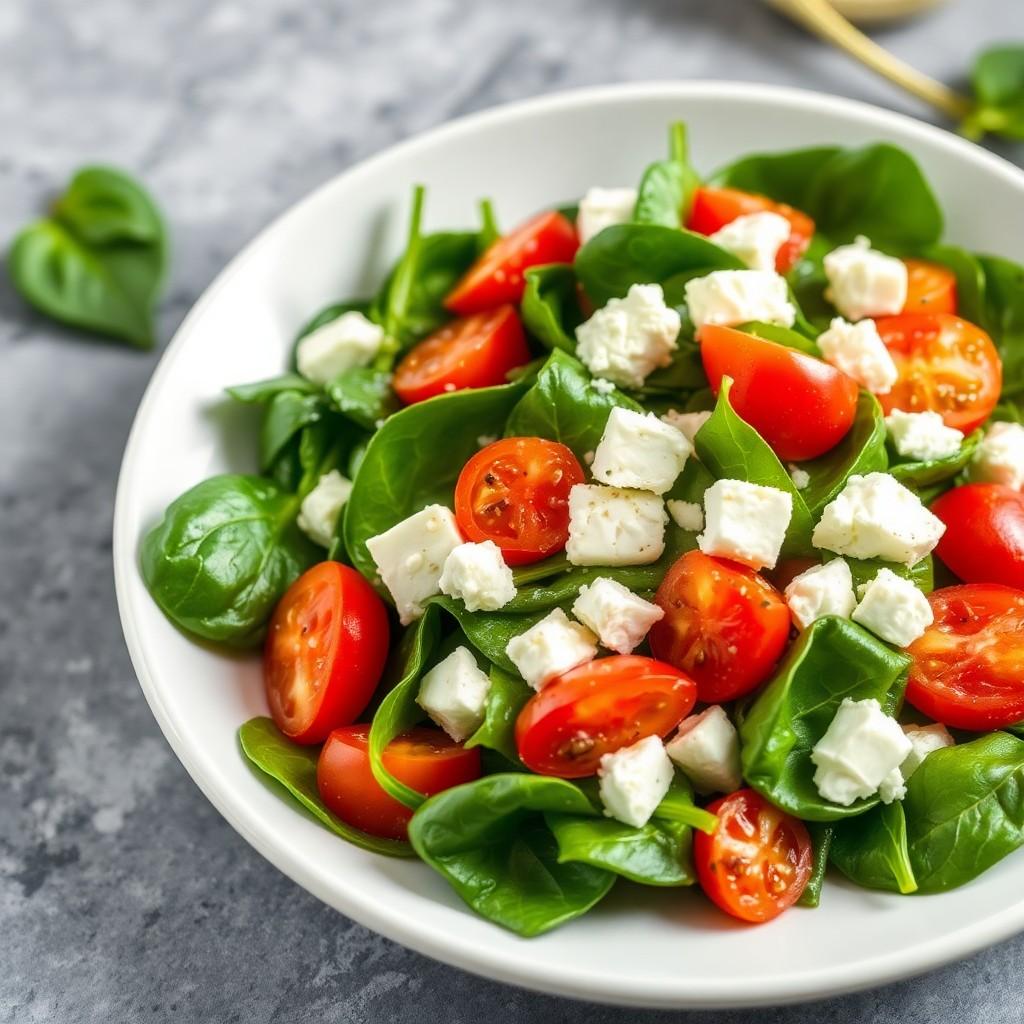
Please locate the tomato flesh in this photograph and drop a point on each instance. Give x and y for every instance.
(984, 538)
(757, 862)
(931, 288)
(725, 626)
(515, 492)
(325, 651)
(599, 708)
(968, 668)
(945, 364)
(424, 758)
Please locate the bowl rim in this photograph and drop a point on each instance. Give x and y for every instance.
(450, 948)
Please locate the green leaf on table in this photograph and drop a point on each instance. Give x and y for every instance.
(998, 83)
(666, 189)
(550, 307)
(103, 206)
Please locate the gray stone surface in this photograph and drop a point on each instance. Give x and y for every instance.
(123, 896)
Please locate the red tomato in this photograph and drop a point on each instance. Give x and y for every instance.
(516, 493)
(326, 647)
(497, 277)
(476, 352)
(599, 708)
(423, 758)
(800, 405)
(757, 862)
(984, 538)
(724, 625)
(931, 288)
(713, 208)
(968, 669)
(945, 364)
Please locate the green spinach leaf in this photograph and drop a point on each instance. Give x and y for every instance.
(872, 850)
(287, 414)
(364, 395)
(666, 189)
(864, 570)
(1004, 306)
(783, 177)
(262, 391)
(507, 697)
(551, 308)
(821, 840)
(918, 474)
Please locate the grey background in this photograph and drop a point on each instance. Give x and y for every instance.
(123, 896)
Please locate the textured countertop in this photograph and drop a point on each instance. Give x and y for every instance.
(123, 895)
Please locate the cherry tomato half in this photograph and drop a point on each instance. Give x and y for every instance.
(968, 668)
(497, 277)
(599, 708)
(325, 651)
(515, 492)
(984, 538)
(757, 862)
(800, 405)
(931, 288)
(945, 364)
(724, 625)
(475, 352)
(713, 208)
(423, 758)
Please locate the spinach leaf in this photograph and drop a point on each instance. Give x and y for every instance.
(830, 661)
(551, 308)
(490, 632)
(364, 395)
(666, 189)
(292, 771)
(489, 839)
(821, 840)
(288, 413)
(864, 570)
(490, 232)
(998, 82)
(222, 556)
(507, 697)
(1004, 306)
(782, 336)
(683, 376)
(970, 278)
(918, 474)
(872, 850)
(781, 176)
(261, 391)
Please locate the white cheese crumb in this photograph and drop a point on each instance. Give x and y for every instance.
(318, 514)
(745, 522)
(550, 648)
(688, 515)
(634, 780)
(821, 590)
(922, 435)
(619, 617)
(478, 576)
(754, 238)
(893, 609)
(730, 297)
(865, 282)
(600, 208)
(999, 458)
(637, 450)
(858, 350)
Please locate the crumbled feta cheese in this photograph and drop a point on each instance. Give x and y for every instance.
(411, 555)
(615, 526)
(454, 694)
(600, 208)
(347, 341)
(875, 516)
(729, 297)
(629, 338)
(745, 522)
(893, 609)
(860, 749)
(800, 477)
(864, 282)
(924, 740)
(550, 647)
(821, 590)
(602, 386)
(688, 515)
(477, 575)
(318, 514)
(707, 750)
(922, 435)
(754, 238)
(892, 787)
(858, 350)
(999, 458)
(638, 450)
(620, 619)
(686, 422)
(634, 780)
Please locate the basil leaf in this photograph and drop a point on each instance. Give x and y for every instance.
(666, 189)
(551, 308)
(507, 697)
(872, 850)
(364, 395)
(102, 206)
(821, 840)
(998, 82)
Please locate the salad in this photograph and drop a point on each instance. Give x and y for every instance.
(676, 536)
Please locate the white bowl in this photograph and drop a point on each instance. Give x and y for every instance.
(664, 948)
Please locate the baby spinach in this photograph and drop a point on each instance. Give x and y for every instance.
(490, 632)
(872, 850)
(98, 261)
(292, 771)
(921, 574)
(998, 82)
(666, 189)
(1004, 319)
(364, 395)
(970, 277)
(551, 307)
(830, 661)
(507, 697)
(680, 379)
(921, 473)
(287, 414)
(821, 841)
(781, 176)
(262, 391)
(223, 554)
(491, 842)
(490, 231)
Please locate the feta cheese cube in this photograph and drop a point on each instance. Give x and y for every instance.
(688, 515)
(922, 435)
(875, 516)
(754, 238)
(924, 740)
(411, 555)
(800, 477)
(686, 422)
(478, 576)
(821, 590)
(864, 282)
(347, 341)
(745, 522)
(858, 350)
(318, 514)
(614, 526)
(634, 780)
(637, 450)
(859, 751)
(629, 338)
(550, 647)
(454, 693)
(729, 297)
(620, 619)
(892, 787)
(600, 208)
(893, 609)
(999, 458)
(707, 750)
